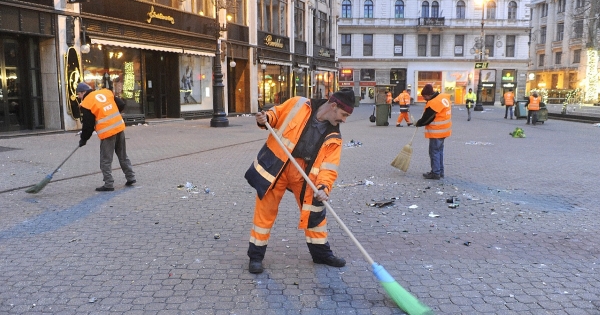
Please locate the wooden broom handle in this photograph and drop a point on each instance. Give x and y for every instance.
(314, 188)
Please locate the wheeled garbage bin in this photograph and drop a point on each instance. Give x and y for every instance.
(520, 110)
(382, 113)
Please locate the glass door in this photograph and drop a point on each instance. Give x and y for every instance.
(12, 115)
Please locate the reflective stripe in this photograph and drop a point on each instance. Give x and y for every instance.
(329, 166)
(257, 242)
(314, 171)
(266, 175)
(440, 122)
(261, 230)
(108, 128)
(311, 240)
(107, 118)
(319, 229)
(437, 130)
(311, 208)
(290, 116)
(288, 144)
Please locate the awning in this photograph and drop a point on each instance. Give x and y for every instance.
(197, 52)
(327, 69)
(305, 66)
(273, 62)
(134, 45)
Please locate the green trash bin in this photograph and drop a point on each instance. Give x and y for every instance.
(520, 110)
(382, 113)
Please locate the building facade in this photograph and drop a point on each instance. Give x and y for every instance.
(564, 50)
(160, 56)
(399, 44)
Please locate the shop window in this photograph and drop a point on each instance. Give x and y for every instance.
(367, 74)
(195, 77)
(346, 75)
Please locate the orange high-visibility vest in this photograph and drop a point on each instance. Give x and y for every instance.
(108, 119)
(403, 98)
(441, 126)
(534, 103)
(289, 122)
(509, 99)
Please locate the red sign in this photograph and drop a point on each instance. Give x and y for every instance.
(346, 83)
(367, 83)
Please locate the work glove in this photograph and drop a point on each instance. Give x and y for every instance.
(82, 143)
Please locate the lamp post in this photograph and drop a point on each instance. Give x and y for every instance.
(219, 117)
(264, 96)
(478, 106)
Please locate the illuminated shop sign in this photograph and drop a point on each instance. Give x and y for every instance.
(156, 15)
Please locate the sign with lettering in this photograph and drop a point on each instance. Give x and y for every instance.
(273, 42)
(481, 65)
(156, 15)
(279, 43)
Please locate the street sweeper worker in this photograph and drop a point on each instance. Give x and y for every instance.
(310, 130)
(509, 102)
(533, 105)
(437, 119)
(403, 99)
(101, 112)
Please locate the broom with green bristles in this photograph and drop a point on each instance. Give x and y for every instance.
(406, 301)
(39, 186)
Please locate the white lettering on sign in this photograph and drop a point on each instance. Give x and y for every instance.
(107, 107)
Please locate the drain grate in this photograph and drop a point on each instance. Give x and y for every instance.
(6, 149)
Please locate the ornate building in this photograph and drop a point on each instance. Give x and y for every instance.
(403, 44)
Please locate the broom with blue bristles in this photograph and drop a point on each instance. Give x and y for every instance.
(39, 186)
(406, 301)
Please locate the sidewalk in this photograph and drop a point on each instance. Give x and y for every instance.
(522, 240)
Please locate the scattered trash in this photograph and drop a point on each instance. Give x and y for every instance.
(452, 200)
(413, 207)
(188, 186)
(478, 143)
(439, 192)
(368, 183)
(467, 243)
(206, 190)
(217, 236)
(597, 125)
(382, 203)
(92, 300)
(453, 205)
(352, 144)
(433, 215)
(518, 133)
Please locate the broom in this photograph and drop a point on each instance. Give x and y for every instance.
(402, 160)
(39, 186)
(403, 298)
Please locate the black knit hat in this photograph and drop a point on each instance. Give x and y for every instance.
(344, 100)
(427, 90)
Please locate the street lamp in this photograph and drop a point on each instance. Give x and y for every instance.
(219, 116)
(478, 105)
(264, 96)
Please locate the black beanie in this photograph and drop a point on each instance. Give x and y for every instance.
(344, 100)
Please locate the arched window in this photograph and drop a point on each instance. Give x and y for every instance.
(425, 9)
(346, 9)
(491, 10)
(368, 9)
(435, 9)
(512, 10)
(399, 9)
(461, 10)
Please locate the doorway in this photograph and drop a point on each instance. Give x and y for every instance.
(162, 88)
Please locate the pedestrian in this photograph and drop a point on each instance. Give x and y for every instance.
(533, 105)
(470, 99)
(403, 100)
(102, 112)
(310, 129)
(509, 101)
(437, 119)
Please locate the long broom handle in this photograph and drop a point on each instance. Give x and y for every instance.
(310, 183)
(411, 139)
(63, 162)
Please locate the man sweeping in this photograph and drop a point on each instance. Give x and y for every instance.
(310, 130)
(438, 126)
(102, 112)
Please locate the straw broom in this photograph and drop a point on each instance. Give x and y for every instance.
(402, 160)
(39, 186)
(406, 301)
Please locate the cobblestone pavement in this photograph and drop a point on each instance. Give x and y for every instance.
(523, 239)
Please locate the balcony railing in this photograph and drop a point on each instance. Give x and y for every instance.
(432, 21)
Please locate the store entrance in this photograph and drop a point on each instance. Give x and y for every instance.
(12, 113)
(162, 89)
